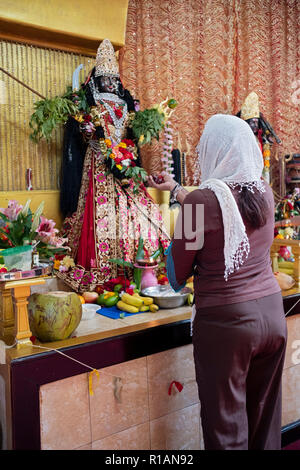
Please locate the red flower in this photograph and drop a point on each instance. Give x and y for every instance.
(128, 142)
(118, 113)
(109, 120)
(163, 281)
(3, 270)
(122, 150)
(108, 285)
(87, 117)
(126, 153)
(129, 290)
(123, 281)
(59, 257)
(117, 160)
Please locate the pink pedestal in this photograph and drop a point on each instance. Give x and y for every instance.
(148, 276)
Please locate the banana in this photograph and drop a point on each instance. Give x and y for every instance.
(190, 285)
(153, 308)
(132, 300)
(144, 308)
(190, 299)
(126, 307)
(146, 300)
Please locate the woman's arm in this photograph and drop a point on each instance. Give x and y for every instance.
(185, 244)
(187, 240)
(169, 184)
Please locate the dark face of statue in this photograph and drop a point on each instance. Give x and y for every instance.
(254, 124)
(109, 84)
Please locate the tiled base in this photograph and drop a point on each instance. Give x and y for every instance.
(139, 415)
(144, 416)
(291, 395)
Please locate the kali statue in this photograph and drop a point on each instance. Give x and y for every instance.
(106, 206)
(261, 128)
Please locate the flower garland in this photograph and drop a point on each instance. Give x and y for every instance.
(266, 154)
(167, 159)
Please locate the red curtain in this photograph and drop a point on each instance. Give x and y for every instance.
(209, 54)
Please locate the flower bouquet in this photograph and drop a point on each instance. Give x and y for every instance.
(19, 227)
(121, 161)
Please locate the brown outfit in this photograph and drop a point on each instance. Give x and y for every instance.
(239, 332)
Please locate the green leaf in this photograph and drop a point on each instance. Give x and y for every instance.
(156, 253)
(4, 217)
(48, 115)
(25, 209)
(121, 262)
(140, 250)
(137, 276)
(36, 219)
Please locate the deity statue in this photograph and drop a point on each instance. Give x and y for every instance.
(106, 206)
(261, 128)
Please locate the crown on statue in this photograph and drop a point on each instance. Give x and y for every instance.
(250, 107)
(106, 61)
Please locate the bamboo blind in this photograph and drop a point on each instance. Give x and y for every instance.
(49, 72)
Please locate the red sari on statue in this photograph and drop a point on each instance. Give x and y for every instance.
(109, 221)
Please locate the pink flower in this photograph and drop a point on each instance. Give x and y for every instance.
(100, 177)
(105, 270)
(102, 200)
(63, 269)
(88, 278)
(12, 210)
(103, 246)
(77, 274)
(46, 230)
(143, 201)
(117, 152)
(57, 241)
(102, 223)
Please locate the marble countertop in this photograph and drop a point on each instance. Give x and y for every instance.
(101, 327)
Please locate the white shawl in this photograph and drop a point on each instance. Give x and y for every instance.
(229, 155)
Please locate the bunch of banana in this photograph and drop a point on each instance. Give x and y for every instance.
(135, 303)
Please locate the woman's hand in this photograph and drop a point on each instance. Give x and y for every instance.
(167, 185)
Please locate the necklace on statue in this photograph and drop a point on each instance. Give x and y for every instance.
(118, 122)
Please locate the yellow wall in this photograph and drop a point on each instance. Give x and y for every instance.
(69, 23)
(49, 72)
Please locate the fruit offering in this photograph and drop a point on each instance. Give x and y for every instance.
(108, 299)
(136, 303)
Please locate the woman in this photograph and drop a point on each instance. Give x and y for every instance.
(106, 214)
(239, 328)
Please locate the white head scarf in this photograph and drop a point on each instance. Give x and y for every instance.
(229, 155)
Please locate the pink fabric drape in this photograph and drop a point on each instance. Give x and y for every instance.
(86, 250)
